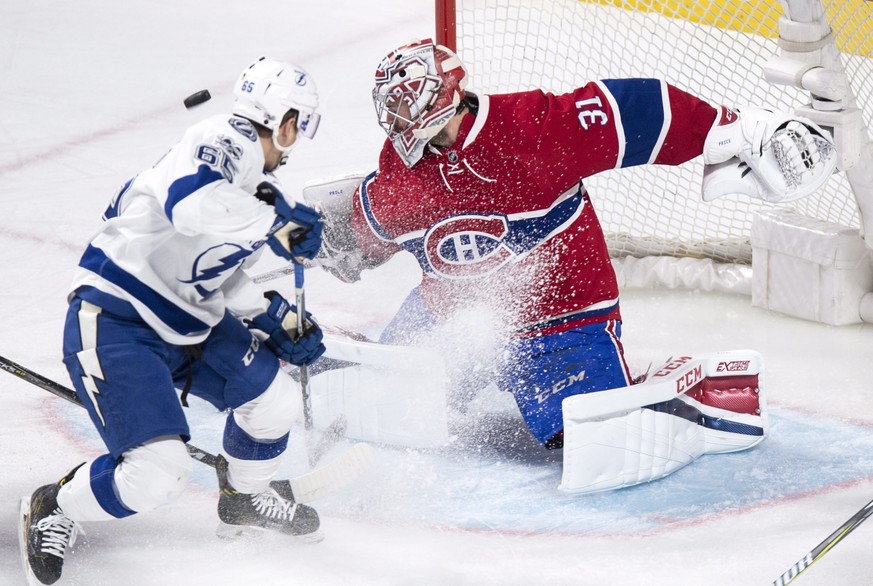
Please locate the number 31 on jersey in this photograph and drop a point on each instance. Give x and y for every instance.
(591, 112)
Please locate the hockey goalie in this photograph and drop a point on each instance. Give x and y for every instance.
(487, 193)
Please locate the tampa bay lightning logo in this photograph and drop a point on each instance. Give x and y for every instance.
(208, 271)
(300, 78)
(467, 246)
(244, 127)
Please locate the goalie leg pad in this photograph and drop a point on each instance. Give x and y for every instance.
(372, 392)
(639, 446)
(730, 412)
(689, 407)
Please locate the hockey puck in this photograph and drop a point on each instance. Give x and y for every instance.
(197, 98)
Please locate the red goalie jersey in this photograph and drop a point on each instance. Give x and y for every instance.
(503, 218)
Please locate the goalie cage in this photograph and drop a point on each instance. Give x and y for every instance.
(808, 258)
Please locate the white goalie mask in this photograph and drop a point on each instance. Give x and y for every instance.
(418, 89)
(267, 89)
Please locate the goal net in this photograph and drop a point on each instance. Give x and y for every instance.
(715, 49)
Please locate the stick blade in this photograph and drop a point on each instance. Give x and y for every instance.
(334, 475)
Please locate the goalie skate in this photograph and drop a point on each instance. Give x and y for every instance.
(243, 514)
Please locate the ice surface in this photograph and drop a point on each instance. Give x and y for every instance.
(91, 92)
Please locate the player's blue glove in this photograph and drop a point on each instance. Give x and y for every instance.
(279, 322)
(297, 231)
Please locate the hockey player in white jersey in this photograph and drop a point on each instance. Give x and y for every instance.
(159, 303)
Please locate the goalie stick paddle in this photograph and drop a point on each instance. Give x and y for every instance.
(825, 546)
(301, 489)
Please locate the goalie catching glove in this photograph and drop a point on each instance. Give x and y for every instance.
(767, 155)
(279, 323)
(296, 233)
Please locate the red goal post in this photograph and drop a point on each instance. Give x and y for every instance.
(446, 23)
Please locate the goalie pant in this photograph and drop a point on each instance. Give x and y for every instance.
(540, 372)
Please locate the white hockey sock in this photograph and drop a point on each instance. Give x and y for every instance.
(251, 476)
(153, 474)
(150, 475)
(77, 500)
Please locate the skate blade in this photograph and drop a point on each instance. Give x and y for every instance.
(23, 523)
(233, 532)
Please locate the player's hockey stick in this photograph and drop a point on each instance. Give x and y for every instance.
(300, 299)
(275, 274)
(302, 489)
(825, 546)
(336, 429)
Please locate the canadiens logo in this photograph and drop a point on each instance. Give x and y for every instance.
(467, 246)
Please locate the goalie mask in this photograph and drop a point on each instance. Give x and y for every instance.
(267, 89)
(418, 89)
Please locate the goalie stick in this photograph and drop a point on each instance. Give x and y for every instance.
(302, 489)
(825, 546)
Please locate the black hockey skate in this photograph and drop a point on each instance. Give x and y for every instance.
(44, 535)
(240, 513)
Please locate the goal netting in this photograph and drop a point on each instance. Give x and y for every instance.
(714, 49)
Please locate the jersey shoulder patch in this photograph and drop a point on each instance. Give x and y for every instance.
(244, 127)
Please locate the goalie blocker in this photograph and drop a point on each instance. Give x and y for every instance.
(340, 254)
(709, 404)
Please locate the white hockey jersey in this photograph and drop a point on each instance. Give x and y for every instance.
(175, 237)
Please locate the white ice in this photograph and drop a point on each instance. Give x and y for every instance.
(91, 92)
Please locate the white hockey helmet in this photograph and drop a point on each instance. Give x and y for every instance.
(418, 89)
(267, 89)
